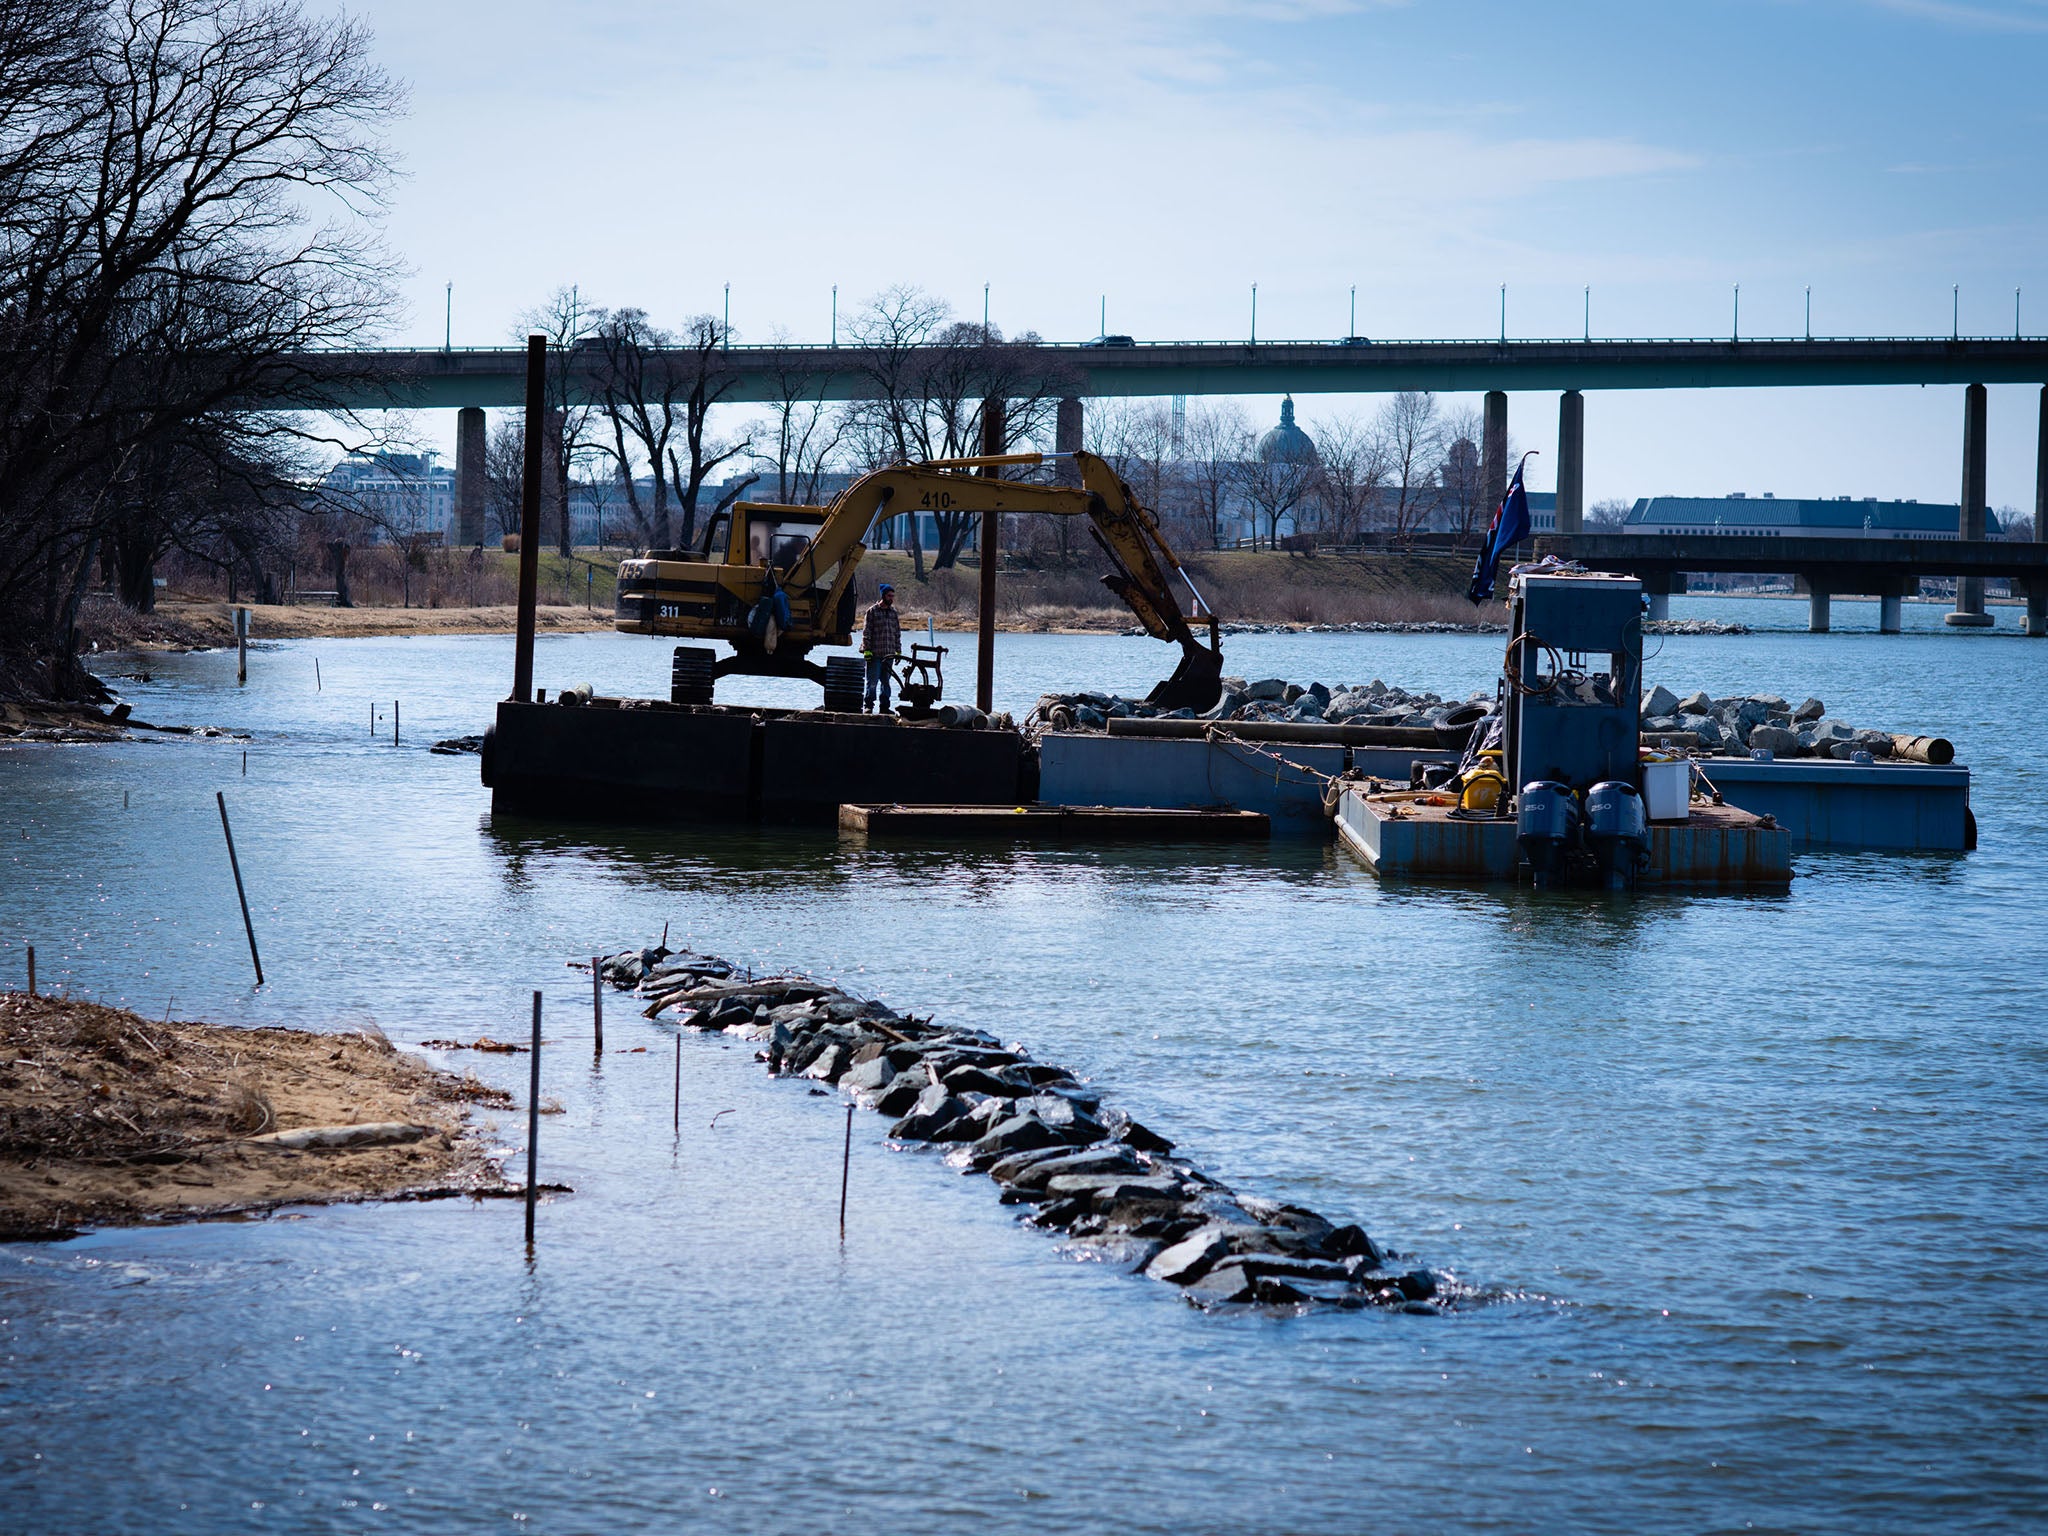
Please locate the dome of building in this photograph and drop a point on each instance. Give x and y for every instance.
(1287, 443)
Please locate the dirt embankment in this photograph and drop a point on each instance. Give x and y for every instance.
(109, 1119)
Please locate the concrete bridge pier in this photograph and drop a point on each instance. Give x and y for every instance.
(1493, 450)
(1890, 606)
(1571, 461)
(1068, 424)
(1969, 611)
(469, 476)
(1819, 605)
(1658, 587)
(2037, 607)
(2041, 475)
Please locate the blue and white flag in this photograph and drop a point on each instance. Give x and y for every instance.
(1509, 527)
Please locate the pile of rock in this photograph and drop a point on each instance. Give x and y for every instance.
(1269, 699)
(1079, 1165)
(1693, 627)
(1742, 724)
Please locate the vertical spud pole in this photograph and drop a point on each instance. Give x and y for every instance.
(529, 515)
(533, 1125)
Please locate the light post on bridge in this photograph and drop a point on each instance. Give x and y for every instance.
(726, 340)
(1809, 311)
(835, 314)
(1255, 314)
(1735, 327)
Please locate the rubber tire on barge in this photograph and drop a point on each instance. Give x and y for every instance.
(692, 675)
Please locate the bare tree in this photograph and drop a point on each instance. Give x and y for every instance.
(570, 328)
(927, 379)
(1609, 514)
(1215, 440)
(1467, 503)
(699, 352)
(1275, 487)
(803, 434)
(186, 189)
(1410, 430)
(641, 403)
(1353, 469)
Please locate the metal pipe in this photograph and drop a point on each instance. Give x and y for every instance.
(529, 515)
(241, 895)
(1302, 731)
(533, 1126)
(993, 432)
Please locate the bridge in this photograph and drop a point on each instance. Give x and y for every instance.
(472, 378)
(1887, 569)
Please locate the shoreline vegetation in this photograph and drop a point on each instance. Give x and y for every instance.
(111, 1119)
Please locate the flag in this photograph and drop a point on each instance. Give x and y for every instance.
(1509, 527)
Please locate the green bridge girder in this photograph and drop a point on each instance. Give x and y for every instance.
(435, 379)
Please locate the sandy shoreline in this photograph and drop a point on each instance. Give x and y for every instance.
(110, 1119)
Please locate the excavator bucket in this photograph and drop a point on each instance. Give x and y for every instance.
(1197, 683)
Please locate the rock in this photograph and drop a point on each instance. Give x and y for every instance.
(1064, 1116)
(1696, 704)
(1773, 705)
(1231, 702)
(828, 1064)
(1292, 692)
(1106, 1189)
(969, 1078)
(1267, 688)
(1089, 718)
(1189, 1259)
(1812, 709)
(980, 1119)
(1350, 1241)
(1774, 739)
(1223, 1284)
(1096, 1160)
(1011, 1134)
(1660, 701)
(934, 1110)
(901, 1094)
(1293, 1267)
(1061, 1213)
(1144, 1139)
(1416, 1285)
(1655, 723)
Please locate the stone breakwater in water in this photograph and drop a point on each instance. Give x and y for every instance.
(1737, 726)
(1072, 1163)
(1271, 699)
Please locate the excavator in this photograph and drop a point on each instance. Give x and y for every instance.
(775, 582)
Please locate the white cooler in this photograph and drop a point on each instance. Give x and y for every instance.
(1667, 791)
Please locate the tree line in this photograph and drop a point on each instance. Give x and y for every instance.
(189, 200)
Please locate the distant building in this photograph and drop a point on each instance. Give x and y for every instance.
(1768, 516)
(402, 494)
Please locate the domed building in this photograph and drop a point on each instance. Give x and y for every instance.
(1287, 443)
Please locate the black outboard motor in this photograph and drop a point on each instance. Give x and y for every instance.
(1617, 832)
(1547, 828)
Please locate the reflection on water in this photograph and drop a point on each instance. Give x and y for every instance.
(1764, 1171)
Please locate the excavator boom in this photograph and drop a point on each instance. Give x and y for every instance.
(808, 555)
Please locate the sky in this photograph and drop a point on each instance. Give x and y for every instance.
(1162, 156)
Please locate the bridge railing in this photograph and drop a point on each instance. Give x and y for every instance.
(1244, 344)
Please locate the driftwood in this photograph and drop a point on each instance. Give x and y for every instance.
(377, 1133)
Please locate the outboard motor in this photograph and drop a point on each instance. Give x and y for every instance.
(1546, 828)
(1618, 832)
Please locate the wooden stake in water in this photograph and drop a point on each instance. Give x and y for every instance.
(31, 970)
(245, 762)
(316, 674)
(845, 1167)
(241, 645)
(394, 722)
(243, 896)
(533, 1125)
(597, 1004)
(679, 1083)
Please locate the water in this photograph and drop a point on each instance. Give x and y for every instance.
(1758, 1180)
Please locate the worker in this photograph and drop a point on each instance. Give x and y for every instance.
(881, 642)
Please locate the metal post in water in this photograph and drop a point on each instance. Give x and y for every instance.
(235, 864)
(993, 434)
(679, 1082)
(845, 1167)
(31, 970)
(394, 722)
(245, 762)
(241, 645)
(316, 674)
(597, 1003)
(529, 515)
(533, 1126)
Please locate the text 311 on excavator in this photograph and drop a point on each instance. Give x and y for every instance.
(781, 584)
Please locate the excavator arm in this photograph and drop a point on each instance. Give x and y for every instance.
(1143, 574)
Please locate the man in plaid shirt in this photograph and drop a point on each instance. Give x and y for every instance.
(881, 642)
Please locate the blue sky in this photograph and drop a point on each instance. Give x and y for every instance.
(1169, 155)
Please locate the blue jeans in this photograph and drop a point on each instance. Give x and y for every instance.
(878, 682)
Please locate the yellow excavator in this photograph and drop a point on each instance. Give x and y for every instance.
(781, 582)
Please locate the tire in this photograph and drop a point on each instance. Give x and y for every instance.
(691, 675)
(845, 677)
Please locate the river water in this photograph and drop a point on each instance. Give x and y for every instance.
(1756, 1182)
